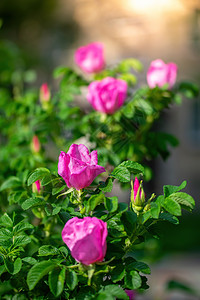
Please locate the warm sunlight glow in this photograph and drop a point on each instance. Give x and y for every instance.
(147, 6)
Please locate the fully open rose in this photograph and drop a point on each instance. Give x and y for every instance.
(78, 167)
(90, 58)
(86, 239)
(107, 95)
(160, 74)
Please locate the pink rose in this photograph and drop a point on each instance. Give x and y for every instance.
(107, 95)
(90, 58)
(131, 294)
(35, 144)
(160, 74)
(45, 94)
(86, 239)
(78, 167)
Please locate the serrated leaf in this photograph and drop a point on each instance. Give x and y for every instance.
(172, 206)
(170, 189)
(132, 166)
(185, 200)
(33, 202)
(71, 280)
(13, 268)
(11, 182)
(21, 240)
(115, 291)
(6, 221)
(129, 220)
(118, 273)
(47, 250)
(140, 267)
(39, 173)
(93, 201)
(133, 280)
(30, 260)
(155, 210)
(56, 281)
(122, 174)
(170, 218)
(46, 179)
(111, 204)
(106, 186)
(57, 190)
(22, 226)
(38, 271)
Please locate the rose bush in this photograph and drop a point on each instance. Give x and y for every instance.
(107, 95)
(78, 167)
(160, 74)
(90, 58)
(86, 239)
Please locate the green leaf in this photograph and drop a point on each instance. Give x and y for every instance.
(46, 179)
(106, 186)
(38, 271)
(118, 273)
(129, 78)
(111, 204)
(39, 173)
(33, 202)
(71, 280)
(130, 63)
(57, 190)
(13, 268)
(170, 218)
(11, 182)
(122, 174)
(56, 281)
(21, 240)
(172, 206)
(190, 90)
(30, 260)
(155, 210)
(115, 291)
(132, 166)
(129, 219)
(177, 285)
(140, 267)
(22, 226)
(170, 189)
(6, 221)
(144, 106)
(186, 201)
(93, 201)
(47, 250)
(133, 280)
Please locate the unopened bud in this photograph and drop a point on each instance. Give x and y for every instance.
(35, 145)
(36, 187)
(137, 195)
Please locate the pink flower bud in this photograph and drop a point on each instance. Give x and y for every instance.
(36, 187)
(107, 95)
(44, 93)
(90, 58)
(160, 74)
(131, 294)
(78, 167)
(137, 195)
(86, 239)
(36, 144)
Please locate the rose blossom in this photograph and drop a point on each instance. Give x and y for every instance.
(107, 95)
(86, 239)
(78, 167)
(131, 294)
(90, 58)
(160, 74)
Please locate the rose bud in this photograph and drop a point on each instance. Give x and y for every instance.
(35, 145)
(86, 239)
(107, 95)
(78, 167)
(137, 195)
(36, 187)
(90, 58)
(160, 74)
